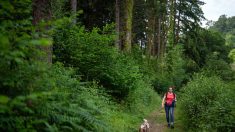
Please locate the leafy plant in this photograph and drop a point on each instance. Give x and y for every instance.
(206, 104)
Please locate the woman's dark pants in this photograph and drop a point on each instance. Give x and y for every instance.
(169, 114)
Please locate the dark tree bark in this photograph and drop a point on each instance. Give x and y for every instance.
(74, 9)
(117, 20)
(42, 11)
(127, 28)
(150, 27)
(159, 37)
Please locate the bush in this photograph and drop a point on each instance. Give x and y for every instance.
(170, 71)
(94, 57)
(218, 67)
(232, 55)
(18, 49)
(63, 103)
(63, 106)
(142, 99)
(207, 104)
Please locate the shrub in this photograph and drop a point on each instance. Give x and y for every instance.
(142, 99)
(19, 54)
(94, 57)
(62, 105)
(207, 104)
(232, 55)
(218, 67)
(170, 71)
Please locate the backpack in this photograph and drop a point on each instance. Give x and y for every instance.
(167, 93)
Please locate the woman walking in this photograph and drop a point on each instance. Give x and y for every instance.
(168, 102)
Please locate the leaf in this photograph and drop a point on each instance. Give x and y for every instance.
(18, 60)
(4, 99)
(46, 42)
(42, 42)
(4, 42)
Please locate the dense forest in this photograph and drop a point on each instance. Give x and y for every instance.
(104, 65)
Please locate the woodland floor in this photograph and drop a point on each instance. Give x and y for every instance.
(157, 122)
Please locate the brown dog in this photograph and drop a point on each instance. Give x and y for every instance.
(144, 127)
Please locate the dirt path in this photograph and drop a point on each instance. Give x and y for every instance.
(158, 123)
(155, 121)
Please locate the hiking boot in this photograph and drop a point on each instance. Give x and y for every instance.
(168, 125)
(172, 126)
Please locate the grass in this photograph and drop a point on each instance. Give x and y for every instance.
(178, 123)
(160, 123)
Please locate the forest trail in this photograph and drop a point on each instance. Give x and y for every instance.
(158, 123)
(155, 121)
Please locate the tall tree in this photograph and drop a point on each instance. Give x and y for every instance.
(74, 9)
(164, 27)
(139, 23)
(172, 23)
(127, 25)
(189, 15)
(160, 24)
(42, 11)
(117, 21)
(151, 18)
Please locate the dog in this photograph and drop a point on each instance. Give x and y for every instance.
(144, 127)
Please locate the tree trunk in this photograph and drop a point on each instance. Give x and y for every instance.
(150, 30)
(127, 31)
(159, 37)
(74, 9)
(150, 36)
(172, 24)
(42, 11)
(164, 29)
(154, 39)
(174, 21)
(117, 20)
(178, 22)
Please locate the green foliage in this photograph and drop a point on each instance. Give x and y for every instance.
(175, 65)
(78, 48)
(232, 55)
(143, 99)
(92, 53)
(96, 88)
(35, 97)
(170, 70)
(201, 43)
(218, 67)
(64, 105)
(58, 8)
(224, 25)
(230, 39)
(190, 18)
(58, 107)
(18, 52)
(207, 104)
(93, 57)
(139, 26)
